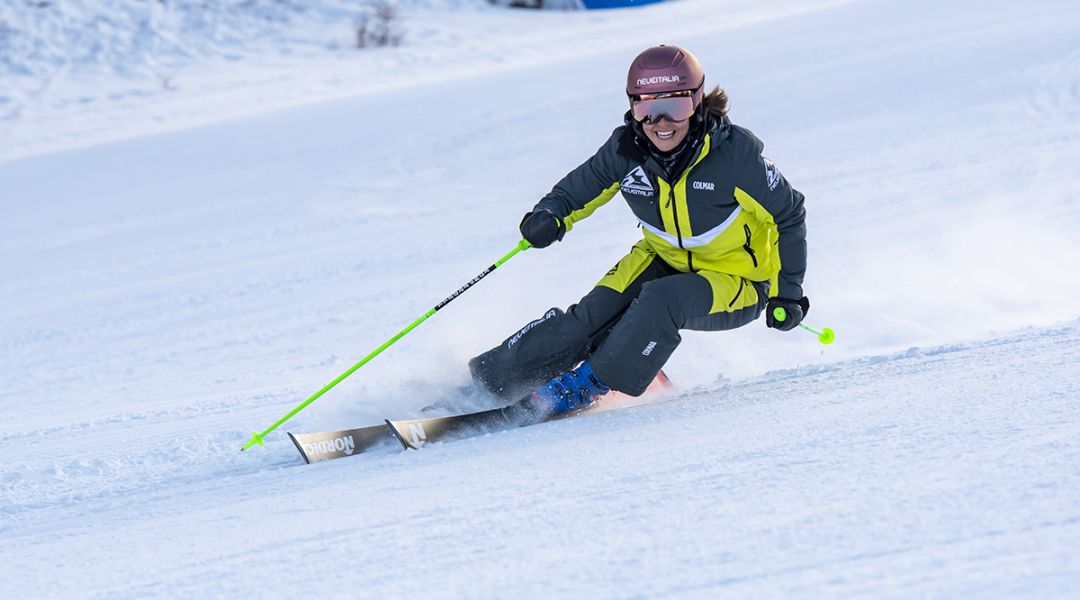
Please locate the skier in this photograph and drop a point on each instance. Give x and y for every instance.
(724, 237)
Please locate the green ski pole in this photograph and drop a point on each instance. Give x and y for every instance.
(824, 335)
(257, 437)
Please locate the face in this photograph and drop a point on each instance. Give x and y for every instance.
(665, 134)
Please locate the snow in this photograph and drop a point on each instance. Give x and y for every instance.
(182, 266)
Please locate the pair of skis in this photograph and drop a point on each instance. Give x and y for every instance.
(416, 433)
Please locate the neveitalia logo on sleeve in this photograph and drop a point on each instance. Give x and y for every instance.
(637, 182)
(772, 174)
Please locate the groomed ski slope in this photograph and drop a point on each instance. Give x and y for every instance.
(166, 294)
(930, 473)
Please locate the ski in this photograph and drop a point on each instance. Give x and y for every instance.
(328, 445)
(416, 433)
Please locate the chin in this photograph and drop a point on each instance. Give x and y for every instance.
(665, 145)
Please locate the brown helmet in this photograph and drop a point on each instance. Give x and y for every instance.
(664, 69)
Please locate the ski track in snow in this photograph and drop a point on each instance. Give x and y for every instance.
(166, 294)
(877, 473)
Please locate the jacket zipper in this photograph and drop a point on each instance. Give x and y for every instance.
(742, 283)
(749, 250)
(678, 232)
(675, 214)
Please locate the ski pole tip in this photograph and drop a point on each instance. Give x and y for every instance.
(255, 439)
(827, 336)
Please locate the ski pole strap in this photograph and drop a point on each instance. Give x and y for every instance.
(257, 437)
(825, 335)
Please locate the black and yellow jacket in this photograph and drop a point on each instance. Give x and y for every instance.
(729, 211)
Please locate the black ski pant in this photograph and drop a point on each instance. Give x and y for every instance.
(627, 327)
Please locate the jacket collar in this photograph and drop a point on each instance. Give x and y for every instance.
(634, 146)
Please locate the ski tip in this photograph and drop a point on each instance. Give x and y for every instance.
(397, 434)
(299, 447)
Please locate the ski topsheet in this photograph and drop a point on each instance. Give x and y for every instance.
(416, 433)
(339, 444)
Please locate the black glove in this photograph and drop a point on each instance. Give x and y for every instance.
(542, 228)
(796, 310)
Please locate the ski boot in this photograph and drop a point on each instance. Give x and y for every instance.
(570, 391)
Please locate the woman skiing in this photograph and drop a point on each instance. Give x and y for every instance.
(724, 237)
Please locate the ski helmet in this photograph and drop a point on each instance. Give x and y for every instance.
(664, 69)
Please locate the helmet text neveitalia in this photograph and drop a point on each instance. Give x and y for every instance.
(658, 79)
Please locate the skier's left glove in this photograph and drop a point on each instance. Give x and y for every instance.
(795, 312)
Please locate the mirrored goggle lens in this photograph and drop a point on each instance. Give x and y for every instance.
(673, 108)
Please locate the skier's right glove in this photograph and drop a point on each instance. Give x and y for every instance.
(542, 228)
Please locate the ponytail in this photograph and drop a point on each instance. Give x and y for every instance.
(716, 102)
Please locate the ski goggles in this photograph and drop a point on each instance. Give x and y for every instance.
(673, 106)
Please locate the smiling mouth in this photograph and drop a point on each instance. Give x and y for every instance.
(665, 135)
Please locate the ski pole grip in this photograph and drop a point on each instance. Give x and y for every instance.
(825, 336)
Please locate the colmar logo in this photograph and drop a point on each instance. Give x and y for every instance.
(344, 444)
(658, 79)
(637, 182)
(705, 185)
(648, 349)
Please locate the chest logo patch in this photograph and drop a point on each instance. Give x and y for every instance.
(705, 185)
(637, 182)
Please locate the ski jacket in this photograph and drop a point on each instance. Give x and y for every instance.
(730, 211)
